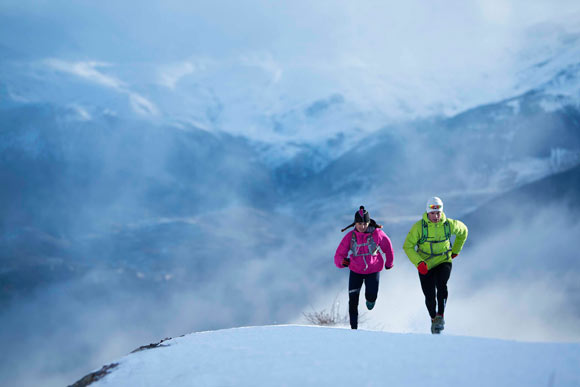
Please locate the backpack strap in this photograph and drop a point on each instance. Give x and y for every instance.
(372, 246)
(370, 242)
(425, 236)
(424, 232)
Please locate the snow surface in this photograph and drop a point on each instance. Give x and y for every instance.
(294, 355)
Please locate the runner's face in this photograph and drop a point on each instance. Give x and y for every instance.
(361, 227)
(434, 216)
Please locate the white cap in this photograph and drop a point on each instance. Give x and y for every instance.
(434, 204)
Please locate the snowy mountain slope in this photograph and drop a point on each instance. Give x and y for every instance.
(164, 156)
(327, 123)
(314, 356)
(286, 106)
(523, 142)
(469, 157)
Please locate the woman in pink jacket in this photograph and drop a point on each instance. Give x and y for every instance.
(365, 261)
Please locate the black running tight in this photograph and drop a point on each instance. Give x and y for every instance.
(355, 282)
(434, 285)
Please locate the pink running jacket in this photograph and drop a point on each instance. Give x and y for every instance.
(363, 262)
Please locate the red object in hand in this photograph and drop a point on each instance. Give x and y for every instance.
(345, 262)
(454, 255)
(422, 267)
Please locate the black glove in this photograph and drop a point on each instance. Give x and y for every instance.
(345, 262)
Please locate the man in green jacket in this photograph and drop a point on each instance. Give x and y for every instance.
(428, 247)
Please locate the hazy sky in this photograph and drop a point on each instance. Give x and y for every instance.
(372, 31)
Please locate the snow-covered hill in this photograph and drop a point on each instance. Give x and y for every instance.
(317, 356)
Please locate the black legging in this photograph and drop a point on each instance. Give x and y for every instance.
(434, 285)
(355, 282)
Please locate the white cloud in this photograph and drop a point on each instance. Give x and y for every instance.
(142, 106)
(170, 75)
(496, 11)
(16, 97)
(266, 62)
(81, 114)
(86, 70)
(89, 70)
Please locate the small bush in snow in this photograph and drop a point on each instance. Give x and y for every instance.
(327, 318)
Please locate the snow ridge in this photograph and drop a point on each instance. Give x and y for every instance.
(295, 355)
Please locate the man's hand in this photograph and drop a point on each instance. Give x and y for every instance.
(422, 267)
